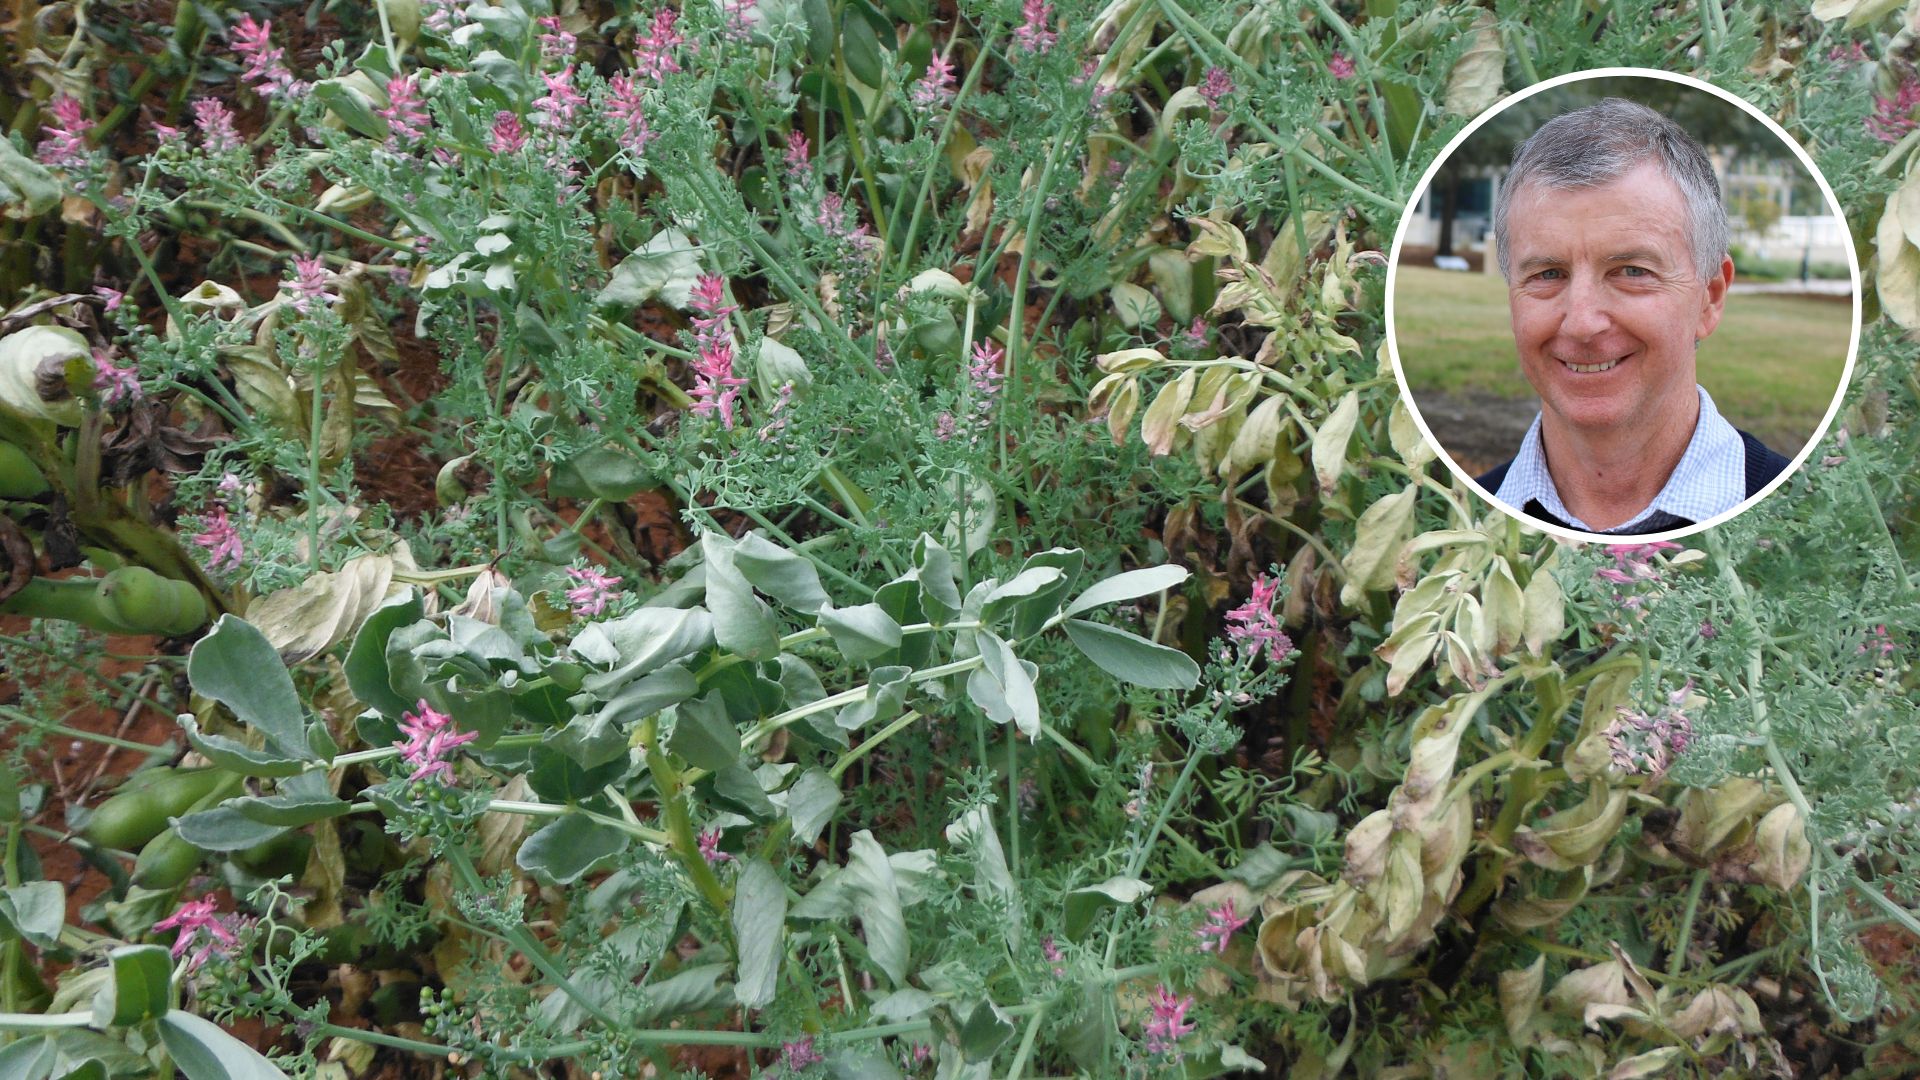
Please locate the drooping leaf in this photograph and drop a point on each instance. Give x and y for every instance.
(646, 640)
(226, 828)
(704, 735)
(811, 802)
(237, 666)
(204, 1052)
(568, 848)
(366, 663)
(1128, 586)
(742, 622)
(665, 266)
(1134, 659)
(759, 933)
(1084, 903)
(781, 574)
(36, 910)
(141, 988)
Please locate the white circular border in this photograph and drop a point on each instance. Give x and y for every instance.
(1420, 190)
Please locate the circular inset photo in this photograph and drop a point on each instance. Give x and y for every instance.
(1625, 303)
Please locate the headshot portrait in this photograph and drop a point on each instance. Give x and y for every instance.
(1625, 307)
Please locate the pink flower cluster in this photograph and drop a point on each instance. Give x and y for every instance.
(1893, 116)
(1217, 86)
(716, 387)
(1635, 572)
(309, 285)
(556, 44)
(65, 146)
(430, 741)
(1642, 743)
(1054, 956)
(215, 123)
(193, 919)
(593, 592)
(556, 109)
(1340, 66)
(653, 54)
(1169, 1023)
(935, 88)
(799, 1055)
(1253, 626)
(115, 383)
(709, 842)
(1879, 642)
(266, 62)
(626, 105)
(1219, 927)
(1035, 33)
(405, 113)
(507, 136)
(795, 159)
(220, 539)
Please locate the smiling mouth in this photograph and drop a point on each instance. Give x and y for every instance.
(1587, 369)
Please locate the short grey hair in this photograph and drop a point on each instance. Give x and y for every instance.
(1596, 145)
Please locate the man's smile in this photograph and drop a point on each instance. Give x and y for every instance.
(1593, 368)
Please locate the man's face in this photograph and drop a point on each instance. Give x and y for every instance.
(1607, 303)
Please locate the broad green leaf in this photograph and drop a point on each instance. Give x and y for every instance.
(600, 473)
(1030, 615)
(739, 789)
(694, 989)
(1330, 442)
(1133, 659)
(236, 756)
(742, 622)
(939, 595)
(237, 666)
(598, 737)
(28, 351)
(704, 734)
(886, 691)
(366, 663)
(557, 778)
(298, 800)
(871, 882)
(974, 833)
(351, 104)
(32, 1057)
(759, 933)
(141, 989)
(225, 828)
(985, 1031)
(568, 848)
(646, 640)
(1084, 903)
(781, 574)
(36, 910)
(665, 266)
(1014, 698)
(811, 802)
(27, 190)
(860, 47)
(204, 1052)
(1128, 586)
(862, 632)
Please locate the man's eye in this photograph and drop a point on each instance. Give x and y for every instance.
(1548, 275)
(1636, 271)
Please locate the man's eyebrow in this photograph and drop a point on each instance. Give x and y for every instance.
(1637, 256)
(1534, 262)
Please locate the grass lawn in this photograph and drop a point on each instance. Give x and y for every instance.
(1772, 366)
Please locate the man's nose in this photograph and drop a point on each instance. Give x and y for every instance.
(1586, 314)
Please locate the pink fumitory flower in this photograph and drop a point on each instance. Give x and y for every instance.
(1253, 625)
(1217, 86)
(508, 136)
(943, 426)
(220, 539)
(113, 297)
(405, 113)
(1855, 53)
(1641, 743)
(215, 123)
(1034, 34)
(799, 1055)
(796, 158)
(191, 919)
(1893, 116)
(776, 423)
(985, 373)
(310, 281)
(1879, 641)
(266, 69)
(739, 19)
(1054, 956)
(116, 383)
(555, 42)
(710, 848)
(1101, 90)
(653, 54)
(1219, 927)
(626, 105)
(1339, 66)
(430, 739)
(1169, 1024)
(716, 387)
(1196, 335)
(65, 146)
(556, 108)
(936, 86)
(594, 591)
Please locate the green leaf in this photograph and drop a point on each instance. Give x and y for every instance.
(862, 632)
(598, 737)
(939, 595)
(811, 802)
(351, 104)
(1134, 659)
(1127, 586)
(759, 931)
(90, 1069)
(366, 665)
(600, 473)
(568, 848)
(29, 1058)
(557, 778)
(694, 989)
(644, 641)
(975, 834)
(237, 666)
(886, 691)
(704, 734)
(1011, 694)
(299, 800)
(28, 351)
(666, 266)
(204, 1052)
(738, 789)
(871, 882)
(141, 989)
(742, 622)
(820, 33)
(1084, 903)
(781, 574)
(1028, 582)
(225, 828)
(27, 189)
(236, 756)
(860, 47)
(36, 911)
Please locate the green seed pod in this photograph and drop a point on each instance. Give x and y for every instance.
(143, 602)
(9, 793)
(166, 861)
(139, 811)
(74, 600)
(20, 478)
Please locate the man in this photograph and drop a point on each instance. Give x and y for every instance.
(1613, 239)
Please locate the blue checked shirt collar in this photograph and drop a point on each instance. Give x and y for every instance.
(1710, 478)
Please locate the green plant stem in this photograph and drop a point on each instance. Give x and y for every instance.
(946, 132)
(671, 783)
(316, 418)
(765, 728)
(847, 759)
(53, 728)
(1685, 933)
(1018, 1070)
(74, 665)
(557, 810)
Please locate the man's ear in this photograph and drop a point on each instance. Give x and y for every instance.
(1716, 303)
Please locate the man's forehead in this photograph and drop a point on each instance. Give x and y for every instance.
(1631, 218)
